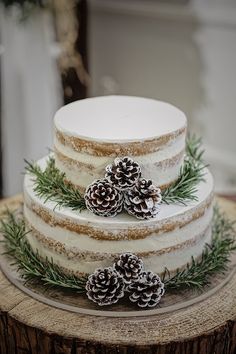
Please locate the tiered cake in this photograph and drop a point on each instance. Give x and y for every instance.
(89, 135)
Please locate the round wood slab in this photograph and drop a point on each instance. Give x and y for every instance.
(29, 326)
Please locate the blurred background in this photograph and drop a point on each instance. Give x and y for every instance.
(55, 52)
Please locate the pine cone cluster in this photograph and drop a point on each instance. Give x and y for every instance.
(103, 199)
(106, 286)
(123, 173)
(143, 200)
(123, 187)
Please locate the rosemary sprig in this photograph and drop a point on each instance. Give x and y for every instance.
(191, 173)
(194, 149)
(31, 267)
(215, 257)
(50, 184)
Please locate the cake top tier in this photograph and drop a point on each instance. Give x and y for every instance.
(119, 119)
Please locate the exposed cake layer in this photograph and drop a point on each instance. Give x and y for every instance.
(90, 133)
(81, 242)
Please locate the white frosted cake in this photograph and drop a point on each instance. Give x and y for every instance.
(89, 135)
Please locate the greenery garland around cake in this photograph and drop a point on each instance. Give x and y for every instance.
(50, 184)
(122, 188)
(127, 276)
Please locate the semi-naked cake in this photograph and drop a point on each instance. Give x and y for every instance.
(89, 135)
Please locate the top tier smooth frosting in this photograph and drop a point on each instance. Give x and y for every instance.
(119, 119)
(90, 133)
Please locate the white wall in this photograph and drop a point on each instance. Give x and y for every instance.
(184, 54)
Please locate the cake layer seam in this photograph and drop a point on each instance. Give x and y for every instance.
(134, 148)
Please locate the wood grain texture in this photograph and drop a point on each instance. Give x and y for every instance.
(28, 326)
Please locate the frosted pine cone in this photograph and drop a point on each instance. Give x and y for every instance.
(147, 291)
(129, 267)
(123, 173)
(103, 199)
(105, 286)
(143, 200)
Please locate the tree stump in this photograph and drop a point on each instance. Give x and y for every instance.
(28, 326)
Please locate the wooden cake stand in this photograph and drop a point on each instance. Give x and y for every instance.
(29, 326)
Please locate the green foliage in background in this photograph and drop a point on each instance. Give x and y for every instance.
(23, 3)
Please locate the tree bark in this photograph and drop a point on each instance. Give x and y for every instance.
(18, 338)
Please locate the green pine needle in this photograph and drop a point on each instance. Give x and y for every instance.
(193, 148)
(191, 173)
(31, 267)
(215, 257)
(50, 184)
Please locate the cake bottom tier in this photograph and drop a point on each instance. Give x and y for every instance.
(81, 242)
(79, 262)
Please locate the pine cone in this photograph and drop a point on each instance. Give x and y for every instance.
(129, 267)
(147, 291)
(103, 199)
(123, 173)
(143, 200)
(105, 286)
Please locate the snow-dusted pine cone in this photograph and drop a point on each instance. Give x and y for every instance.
(103, 199)
(147, 291)
(123, 173)
(129, 266)
(105, 286)
(143, 200)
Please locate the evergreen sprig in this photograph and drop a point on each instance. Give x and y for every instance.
(50, 184)
(31, 267)
(191, 173)
(194, 149)
(214, 259)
